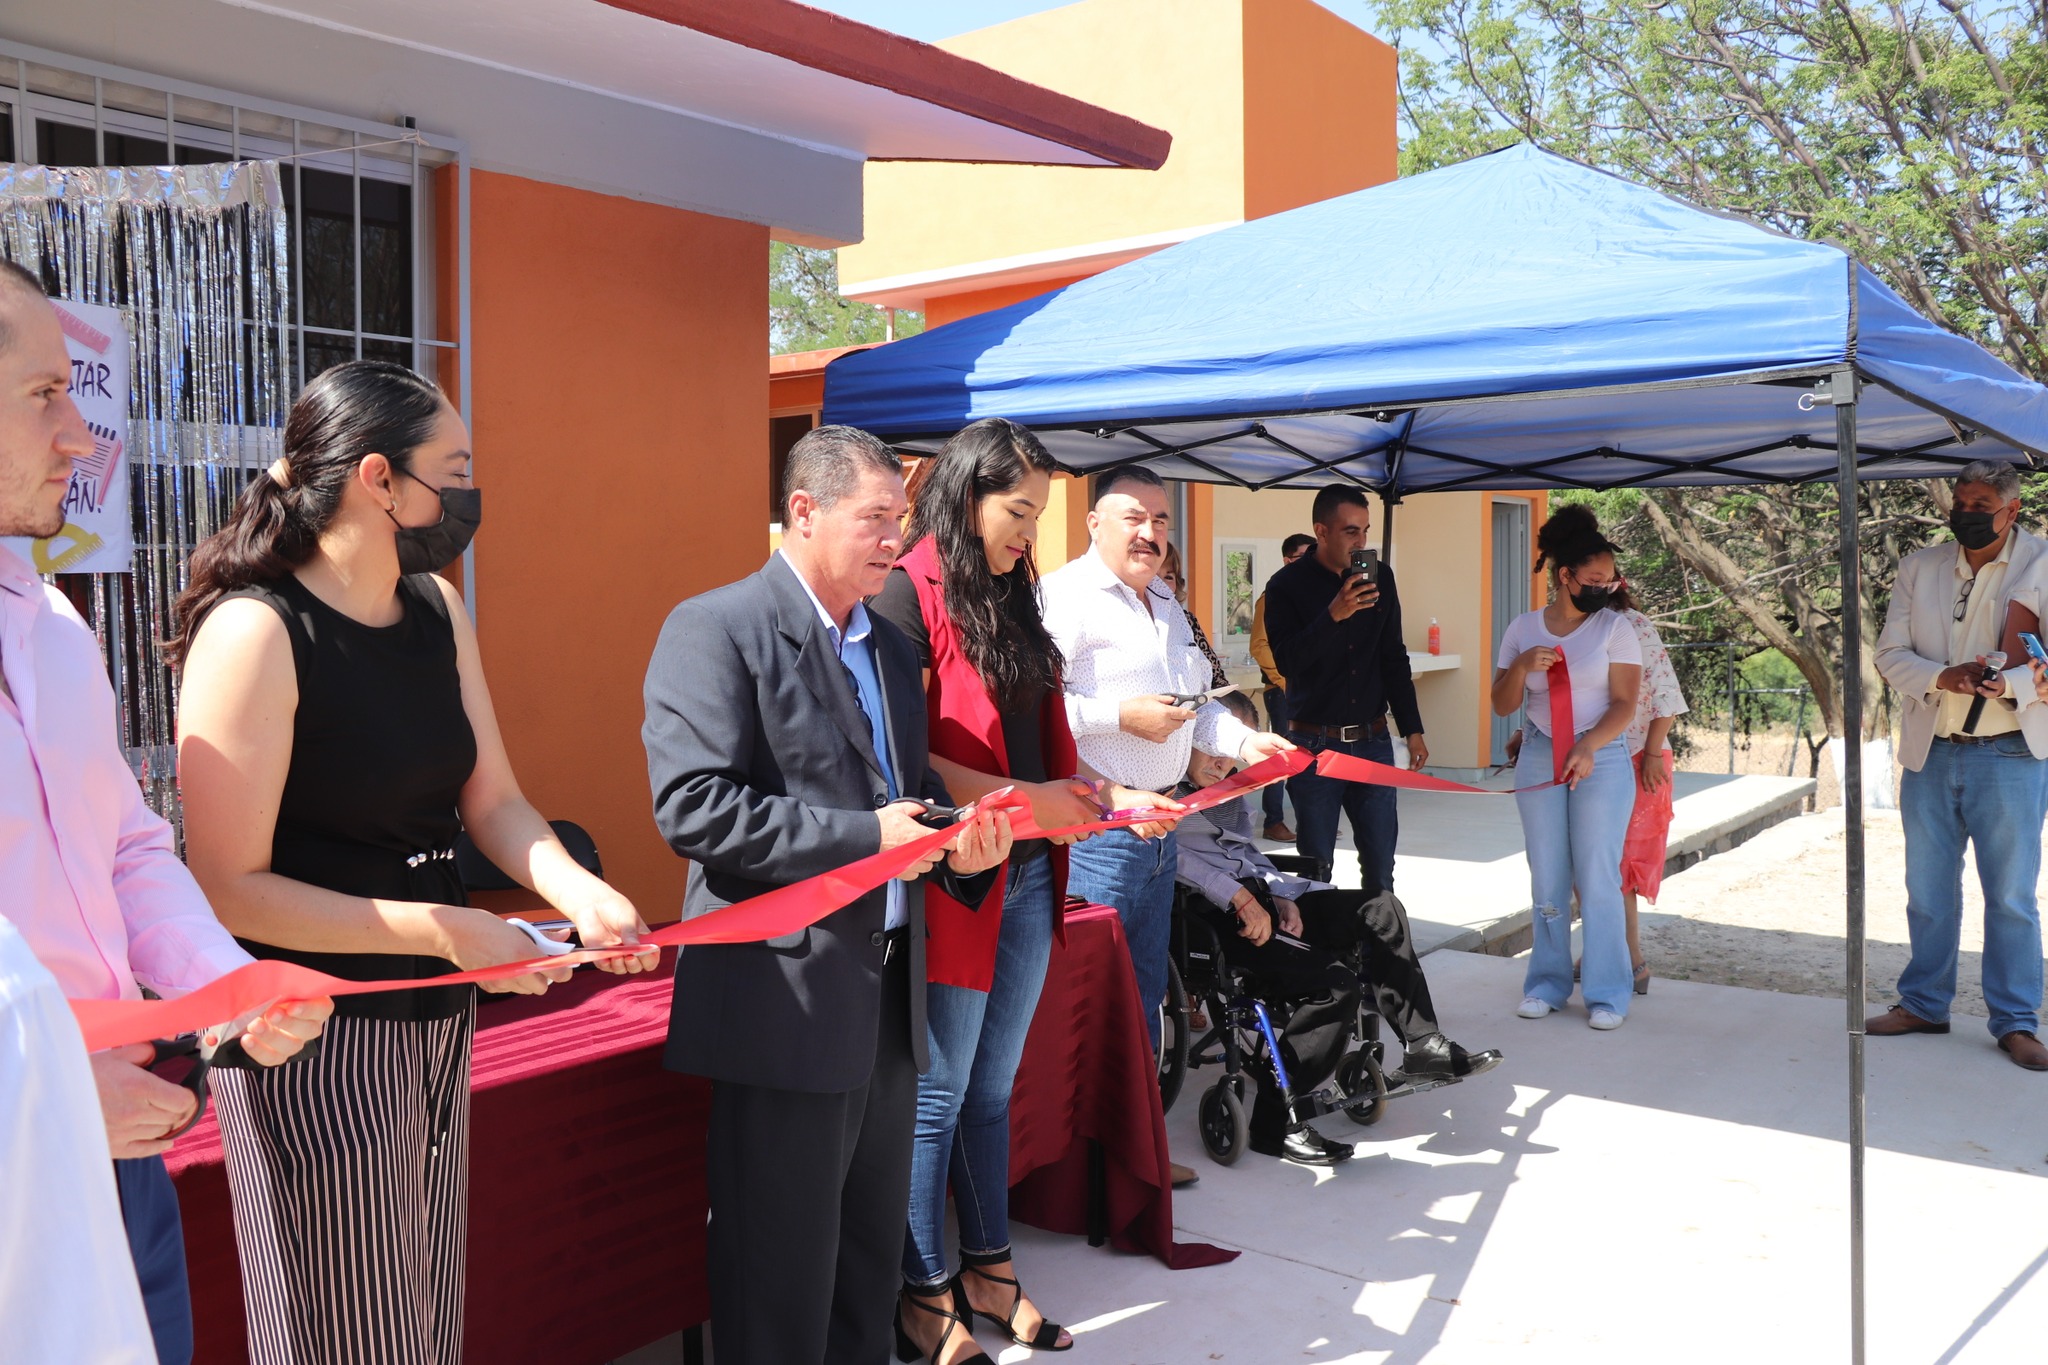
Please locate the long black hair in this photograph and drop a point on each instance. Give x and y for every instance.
(1012, 651)
(361, 408)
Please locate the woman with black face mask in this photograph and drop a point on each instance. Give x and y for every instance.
(1576, 667)
(335, 734)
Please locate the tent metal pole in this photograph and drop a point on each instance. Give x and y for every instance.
(1842, 393)
(1387, 527)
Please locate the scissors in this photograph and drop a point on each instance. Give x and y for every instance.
(1197, 700)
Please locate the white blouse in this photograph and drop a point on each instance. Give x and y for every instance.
(1602, 639)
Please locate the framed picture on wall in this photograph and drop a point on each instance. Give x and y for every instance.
(1239, 561)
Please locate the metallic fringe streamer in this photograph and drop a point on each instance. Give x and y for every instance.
(195, 257)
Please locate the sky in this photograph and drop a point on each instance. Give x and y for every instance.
(930, 20)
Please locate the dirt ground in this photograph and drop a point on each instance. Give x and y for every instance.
(1768, 915)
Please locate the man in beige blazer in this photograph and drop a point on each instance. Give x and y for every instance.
(1980, 779)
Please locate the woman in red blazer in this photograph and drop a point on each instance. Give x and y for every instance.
(966, 594)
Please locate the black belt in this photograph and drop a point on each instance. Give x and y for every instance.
(894, 943)
(1973, 739)
(1343, 734)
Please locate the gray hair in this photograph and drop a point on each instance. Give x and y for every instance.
(827, 463)
(2001, 478)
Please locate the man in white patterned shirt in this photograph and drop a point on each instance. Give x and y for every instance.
(1128, 651)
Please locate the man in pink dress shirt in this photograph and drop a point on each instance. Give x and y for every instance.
(91, 876)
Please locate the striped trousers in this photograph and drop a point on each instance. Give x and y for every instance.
(350, 1176)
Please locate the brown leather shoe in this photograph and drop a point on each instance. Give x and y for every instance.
(1182, 1176)
(1898, 1019)
(2025, 1050)
(1279, 833)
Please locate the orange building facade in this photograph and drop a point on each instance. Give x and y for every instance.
(588, 222)
(1272, 104)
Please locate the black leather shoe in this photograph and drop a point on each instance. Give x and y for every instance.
(1430, 1057)
(1306, 1146)
(1473, 1063)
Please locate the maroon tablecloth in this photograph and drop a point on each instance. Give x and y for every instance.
(1088, 1077)
(587, 1199)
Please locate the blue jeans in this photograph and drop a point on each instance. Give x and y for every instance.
(1135, 876)
(1574, 837)
(156, 1237)
(1375, 818)
(1274, 798)
(1990, 795)
(963, 1101)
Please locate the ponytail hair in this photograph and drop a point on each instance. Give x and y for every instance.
(361, 408)
(1569, 538)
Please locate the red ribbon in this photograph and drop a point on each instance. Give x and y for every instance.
(1350, 768)
(1560, 716)
(785, 910)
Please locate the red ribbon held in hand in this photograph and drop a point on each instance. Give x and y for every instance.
(1349, 768)
(112, 1023)
(785, 910)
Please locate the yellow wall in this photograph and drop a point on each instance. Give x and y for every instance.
(1174, 64)
(1435, 536)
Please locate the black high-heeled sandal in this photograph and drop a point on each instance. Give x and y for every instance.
(957, 1319)
(1047, 1337)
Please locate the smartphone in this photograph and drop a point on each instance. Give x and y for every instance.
(2033, 644)
(1366, 563)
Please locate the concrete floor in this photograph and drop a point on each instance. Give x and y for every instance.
(1675, 1191)
(1460, 870)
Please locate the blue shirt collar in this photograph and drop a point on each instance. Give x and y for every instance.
(858, 627)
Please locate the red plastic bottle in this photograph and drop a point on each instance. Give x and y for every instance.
(1436, 637)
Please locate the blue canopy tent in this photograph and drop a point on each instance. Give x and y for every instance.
(1515, 321)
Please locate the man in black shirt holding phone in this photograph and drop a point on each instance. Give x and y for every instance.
(1334, 621)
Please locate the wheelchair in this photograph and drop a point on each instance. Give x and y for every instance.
(1238, 1030)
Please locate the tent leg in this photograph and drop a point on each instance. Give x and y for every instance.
(1386, 528)
(1843, 395)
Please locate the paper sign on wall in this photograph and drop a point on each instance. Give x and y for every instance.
(98, 536)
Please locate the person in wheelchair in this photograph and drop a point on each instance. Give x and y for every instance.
(1310, 942)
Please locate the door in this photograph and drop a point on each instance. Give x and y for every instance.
(1511, 560)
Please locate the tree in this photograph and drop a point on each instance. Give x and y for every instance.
(805, 311)
(1914, 133)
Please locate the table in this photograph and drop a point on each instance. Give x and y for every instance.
(587, 1197)
(1087, 1136)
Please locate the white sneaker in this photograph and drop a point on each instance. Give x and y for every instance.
(1535, 1007)
(1604, 1020)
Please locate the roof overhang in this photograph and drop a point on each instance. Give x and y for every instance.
(771, 66)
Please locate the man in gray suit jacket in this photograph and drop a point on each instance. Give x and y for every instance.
(786, 737)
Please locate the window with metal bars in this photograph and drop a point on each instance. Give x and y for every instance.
(359, 195)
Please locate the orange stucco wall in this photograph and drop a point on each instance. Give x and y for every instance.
(619, 441)
(945, 308)
(1319, 116)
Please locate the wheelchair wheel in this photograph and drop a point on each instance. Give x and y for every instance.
(1360, 1075)
(1173, 1038)
(1225, 1123)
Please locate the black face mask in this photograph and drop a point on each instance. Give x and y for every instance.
(1590, 600)
(1972, 530)
(428, 549)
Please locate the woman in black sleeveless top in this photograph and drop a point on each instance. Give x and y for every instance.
(335, 736)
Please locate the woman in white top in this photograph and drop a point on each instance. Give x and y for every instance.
(1574, 831)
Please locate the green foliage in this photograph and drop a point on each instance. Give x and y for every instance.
(1914, 133)
(805, 311)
